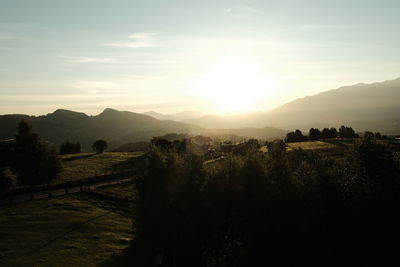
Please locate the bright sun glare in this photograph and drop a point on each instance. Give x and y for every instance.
(234, 84)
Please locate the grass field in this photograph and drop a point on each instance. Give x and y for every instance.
(83, 165)
(312, 145)
(74, 230)
(126, 190)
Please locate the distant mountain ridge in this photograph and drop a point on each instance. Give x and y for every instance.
(374, 107)
(116, 127)
(180, 116)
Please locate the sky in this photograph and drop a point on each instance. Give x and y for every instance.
(213, 56)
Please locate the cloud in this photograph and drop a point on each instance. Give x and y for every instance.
(96, 87)
(88, 60)
(138, 40)
(243, 11)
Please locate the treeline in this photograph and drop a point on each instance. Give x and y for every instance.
(277, 208)
(69, 148)
(99, 146)
(326, 133)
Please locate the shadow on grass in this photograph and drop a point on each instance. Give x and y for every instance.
(342, 143)
(79, 157)
(131, 164)
(131, 256)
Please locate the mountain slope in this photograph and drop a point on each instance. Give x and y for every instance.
(364, 106)
(180, 116)
(117, 127)
(374, 107)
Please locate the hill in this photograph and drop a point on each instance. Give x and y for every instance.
(364, 106)
(117, 127)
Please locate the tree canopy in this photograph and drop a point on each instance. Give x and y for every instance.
(99, 146)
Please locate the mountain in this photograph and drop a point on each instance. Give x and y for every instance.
(117, 127)
(374, 107)
(180, 116)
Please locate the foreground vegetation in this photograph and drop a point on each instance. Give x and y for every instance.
(296, 208)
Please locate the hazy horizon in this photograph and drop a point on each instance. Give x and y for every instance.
(220, 58)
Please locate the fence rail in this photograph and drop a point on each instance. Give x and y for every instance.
(25, 194)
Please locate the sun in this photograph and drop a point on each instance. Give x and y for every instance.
(234, 84)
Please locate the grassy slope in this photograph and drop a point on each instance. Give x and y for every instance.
(63, 231)
(123, 190)
(83, 165)
(312, 145)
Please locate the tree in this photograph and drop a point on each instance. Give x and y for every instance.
(34, 162)
(250, 146)
(329, 133)
(369, 135)
(78, 148)
(70, 148)
(347, 132)
(99, 146)
(296, 136)
(314, 134)
(162, 143)
(5, 155)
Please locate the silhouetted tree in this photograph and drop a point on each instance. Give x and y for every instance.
(99, 146)
(329, 133)
(296, 136)
(368, 134)
(162, 143)
(33, 161)
(5, 156)
(69, 148)
(314, 134)
(347, 132)
(78, 148)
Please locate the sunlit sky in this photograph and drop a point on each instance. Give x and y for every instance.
(169, 56)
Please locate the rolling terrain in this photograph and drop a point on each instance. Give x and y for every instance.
(117, 127)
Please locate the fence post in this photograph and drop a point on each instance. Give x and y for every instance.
(81, 186)
(66, 189)
(49, 190)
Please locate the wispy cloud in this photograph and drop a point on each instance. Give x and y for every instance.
(243, 11)
(137, 40)
(82, 60)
